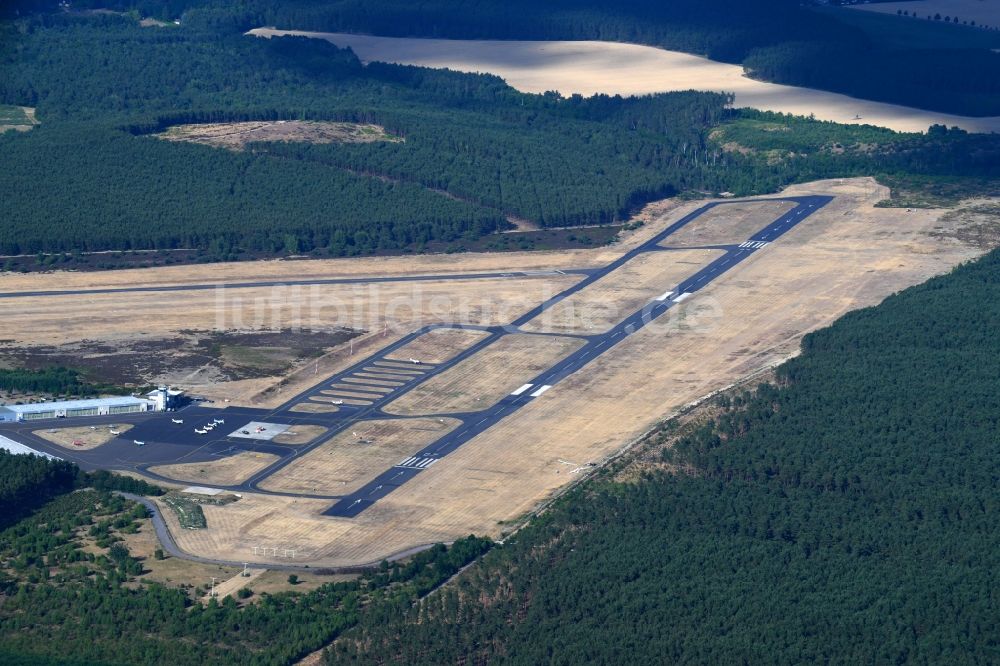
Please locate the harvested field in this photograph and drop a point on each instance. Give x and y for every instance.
(299, 434)
(237, 135)
(728, 224)
(438, 346)
(592, 67)
(598, 307)
(983, 13)
(481, 380)
(81, 438)
(227, 471)
(345, 462)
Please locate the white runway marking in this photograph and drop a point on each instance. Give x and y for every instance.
(522, 389)
(664, 296)
(683, 297)
(540, 391)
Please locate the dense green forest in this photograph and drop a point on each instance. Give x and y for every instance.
(846, 514)
(54, 380)
(786, 41)
(474, 151)
(58, 598)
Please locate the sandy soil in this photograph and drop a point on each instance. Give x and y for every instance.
(88, 438)
(848, 255)
(352, 458)
(235, 136)
(598, 307)
(590, 67)
(227, 471)
(481, 380)
(984, 13)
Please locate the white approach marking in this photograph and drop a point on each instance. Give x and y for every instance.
(683, 297)
(540, 391)
(522, 389)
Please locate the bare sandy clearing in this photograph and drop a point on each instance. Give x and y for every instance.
(479, 381)
(984, 13)
(81, 438)
(590, 67)
(598, 307)
(353, 457)
(236, 135)
(227, 471)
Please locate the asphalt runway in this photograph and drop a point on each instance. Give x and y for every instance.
(168, 443)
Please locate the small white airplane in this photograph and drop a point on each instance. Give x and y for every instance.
(200, 431)
(415, 361)
(336, 402)
(218, 421)
(138, 443)
(177, 420)
(114, 432)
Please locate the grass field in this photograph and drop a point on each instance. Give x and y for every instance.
(19, 118)
(226, 471)
(880, 20)
(484, 378)
(81, 438)
(353, 457)
(599, 306)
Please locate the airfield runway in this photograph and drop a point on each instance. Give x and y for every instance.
(359, 393)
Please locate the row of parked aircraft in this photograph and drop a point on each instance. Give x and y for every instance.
(207, 427)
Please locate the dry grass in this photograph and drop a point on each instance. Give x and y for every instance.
(592, 67)
(598, 307)
(88, 438)
(346, 462)
(438, 346)
(313, 408)
(728, 224)
(299, 434)
(846, 256)
(236, 136)
(227, 471)
(479, 381)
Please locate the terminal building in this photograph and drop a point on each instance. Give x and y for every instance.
(158, 400)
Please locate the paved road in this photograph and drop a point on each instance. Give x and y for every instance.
(170, 443)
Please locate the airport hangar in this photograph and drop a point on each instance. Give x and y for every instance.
(157, 400)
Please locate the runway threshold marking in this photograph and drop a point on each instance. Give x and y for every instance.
(683, 297)
(540, 391)
(664, 296)
(522, 389)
